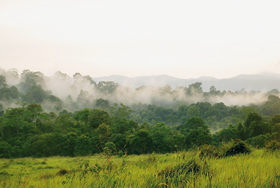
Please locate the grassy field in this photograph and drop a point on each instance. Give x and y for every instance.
(185, 169)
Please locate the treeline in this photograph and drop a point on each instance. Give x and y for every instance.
(78, 92)
(216, 116)
(151, 104)
(29, 131)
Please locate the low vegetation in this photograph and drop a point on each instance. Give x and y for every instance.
(260, 168)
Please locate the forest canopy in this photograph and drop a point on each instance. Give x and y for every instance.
(69, 116)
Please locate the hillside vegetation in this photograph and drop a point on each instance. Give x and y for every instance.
(173, 138)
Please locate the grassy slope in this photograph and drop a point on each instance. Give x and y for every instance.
(259, 169)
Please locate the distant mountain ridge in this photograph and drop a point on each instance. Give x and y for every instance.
(259, 82)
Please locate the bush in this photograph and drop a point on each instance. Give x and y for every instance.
(110, 148)
(210, 151)
(152, 158)
(258, 141)
(181, 169)
(62, 172)
(82, 146)
(272, 145)
(5, 149)
(120, 153)
(237, 147)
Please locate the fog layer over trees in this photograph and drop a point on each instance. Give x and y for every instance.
(77, 92)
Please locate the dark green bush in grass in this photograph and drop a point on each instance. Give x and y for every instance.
(191, 166)
(237, 147)
(210, 151)
(110, 148)
(272, 145)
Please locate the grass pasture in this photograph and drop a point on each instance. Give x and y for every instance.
(185, 169)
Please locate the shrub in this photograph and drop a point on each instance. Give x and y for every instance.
(62, 172)
(272, 145)
(120, 153)
(152, 158)
(181, 169)
(82, 146)
(237, 147)
(210, 151)
(5, 149)
(110, 148)
(257, 141)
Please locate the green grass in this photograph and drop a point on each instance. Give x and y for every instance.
(258, 169)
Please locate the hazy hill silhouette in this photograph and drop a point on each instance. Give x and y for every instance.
(258, 82)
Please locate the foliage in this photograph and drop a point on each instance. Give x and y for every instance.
(209, 151)
(237, 147)
(82, 146)
(259, 141)
(273, 145)
(110, 148)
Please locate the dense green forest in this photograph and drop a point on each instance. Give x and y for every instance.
(92, 118)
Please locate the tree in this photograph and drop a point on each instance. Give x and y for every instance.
(121, 111)
(252, 123)
(119, 140)
(35, 94)
(246, 110)
(97, 117)
(198, 137)
(258, 128)
(70, 144)
(44, 145)
(203, 107)
(83, 115)
(2, 81)
(221, 110)
(102, 103)
(107, 87)
(35, 111)
(193, 111)
(212, 90)
(193, 123)
(103, 133)
(110, 148)
(15, 118)
(227, 135)
(83, 98)
(271, 106)
(275, 119)
(5, 150)
(194, 88)
(9, 93)
(82, 146)
(167, 89)
(64, 121)
(141, 143)
(252, 117)
(162, 138)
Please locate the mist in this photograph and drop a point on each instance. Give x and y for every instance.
(77, 92)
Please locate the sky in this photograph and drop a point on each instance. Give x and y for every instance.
(185, 39)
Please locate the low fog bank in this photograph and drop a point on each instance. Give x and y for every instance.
(76, 92)
(258, 82)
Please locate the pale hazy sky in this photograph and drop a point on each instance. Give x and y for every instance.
(141, 37)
